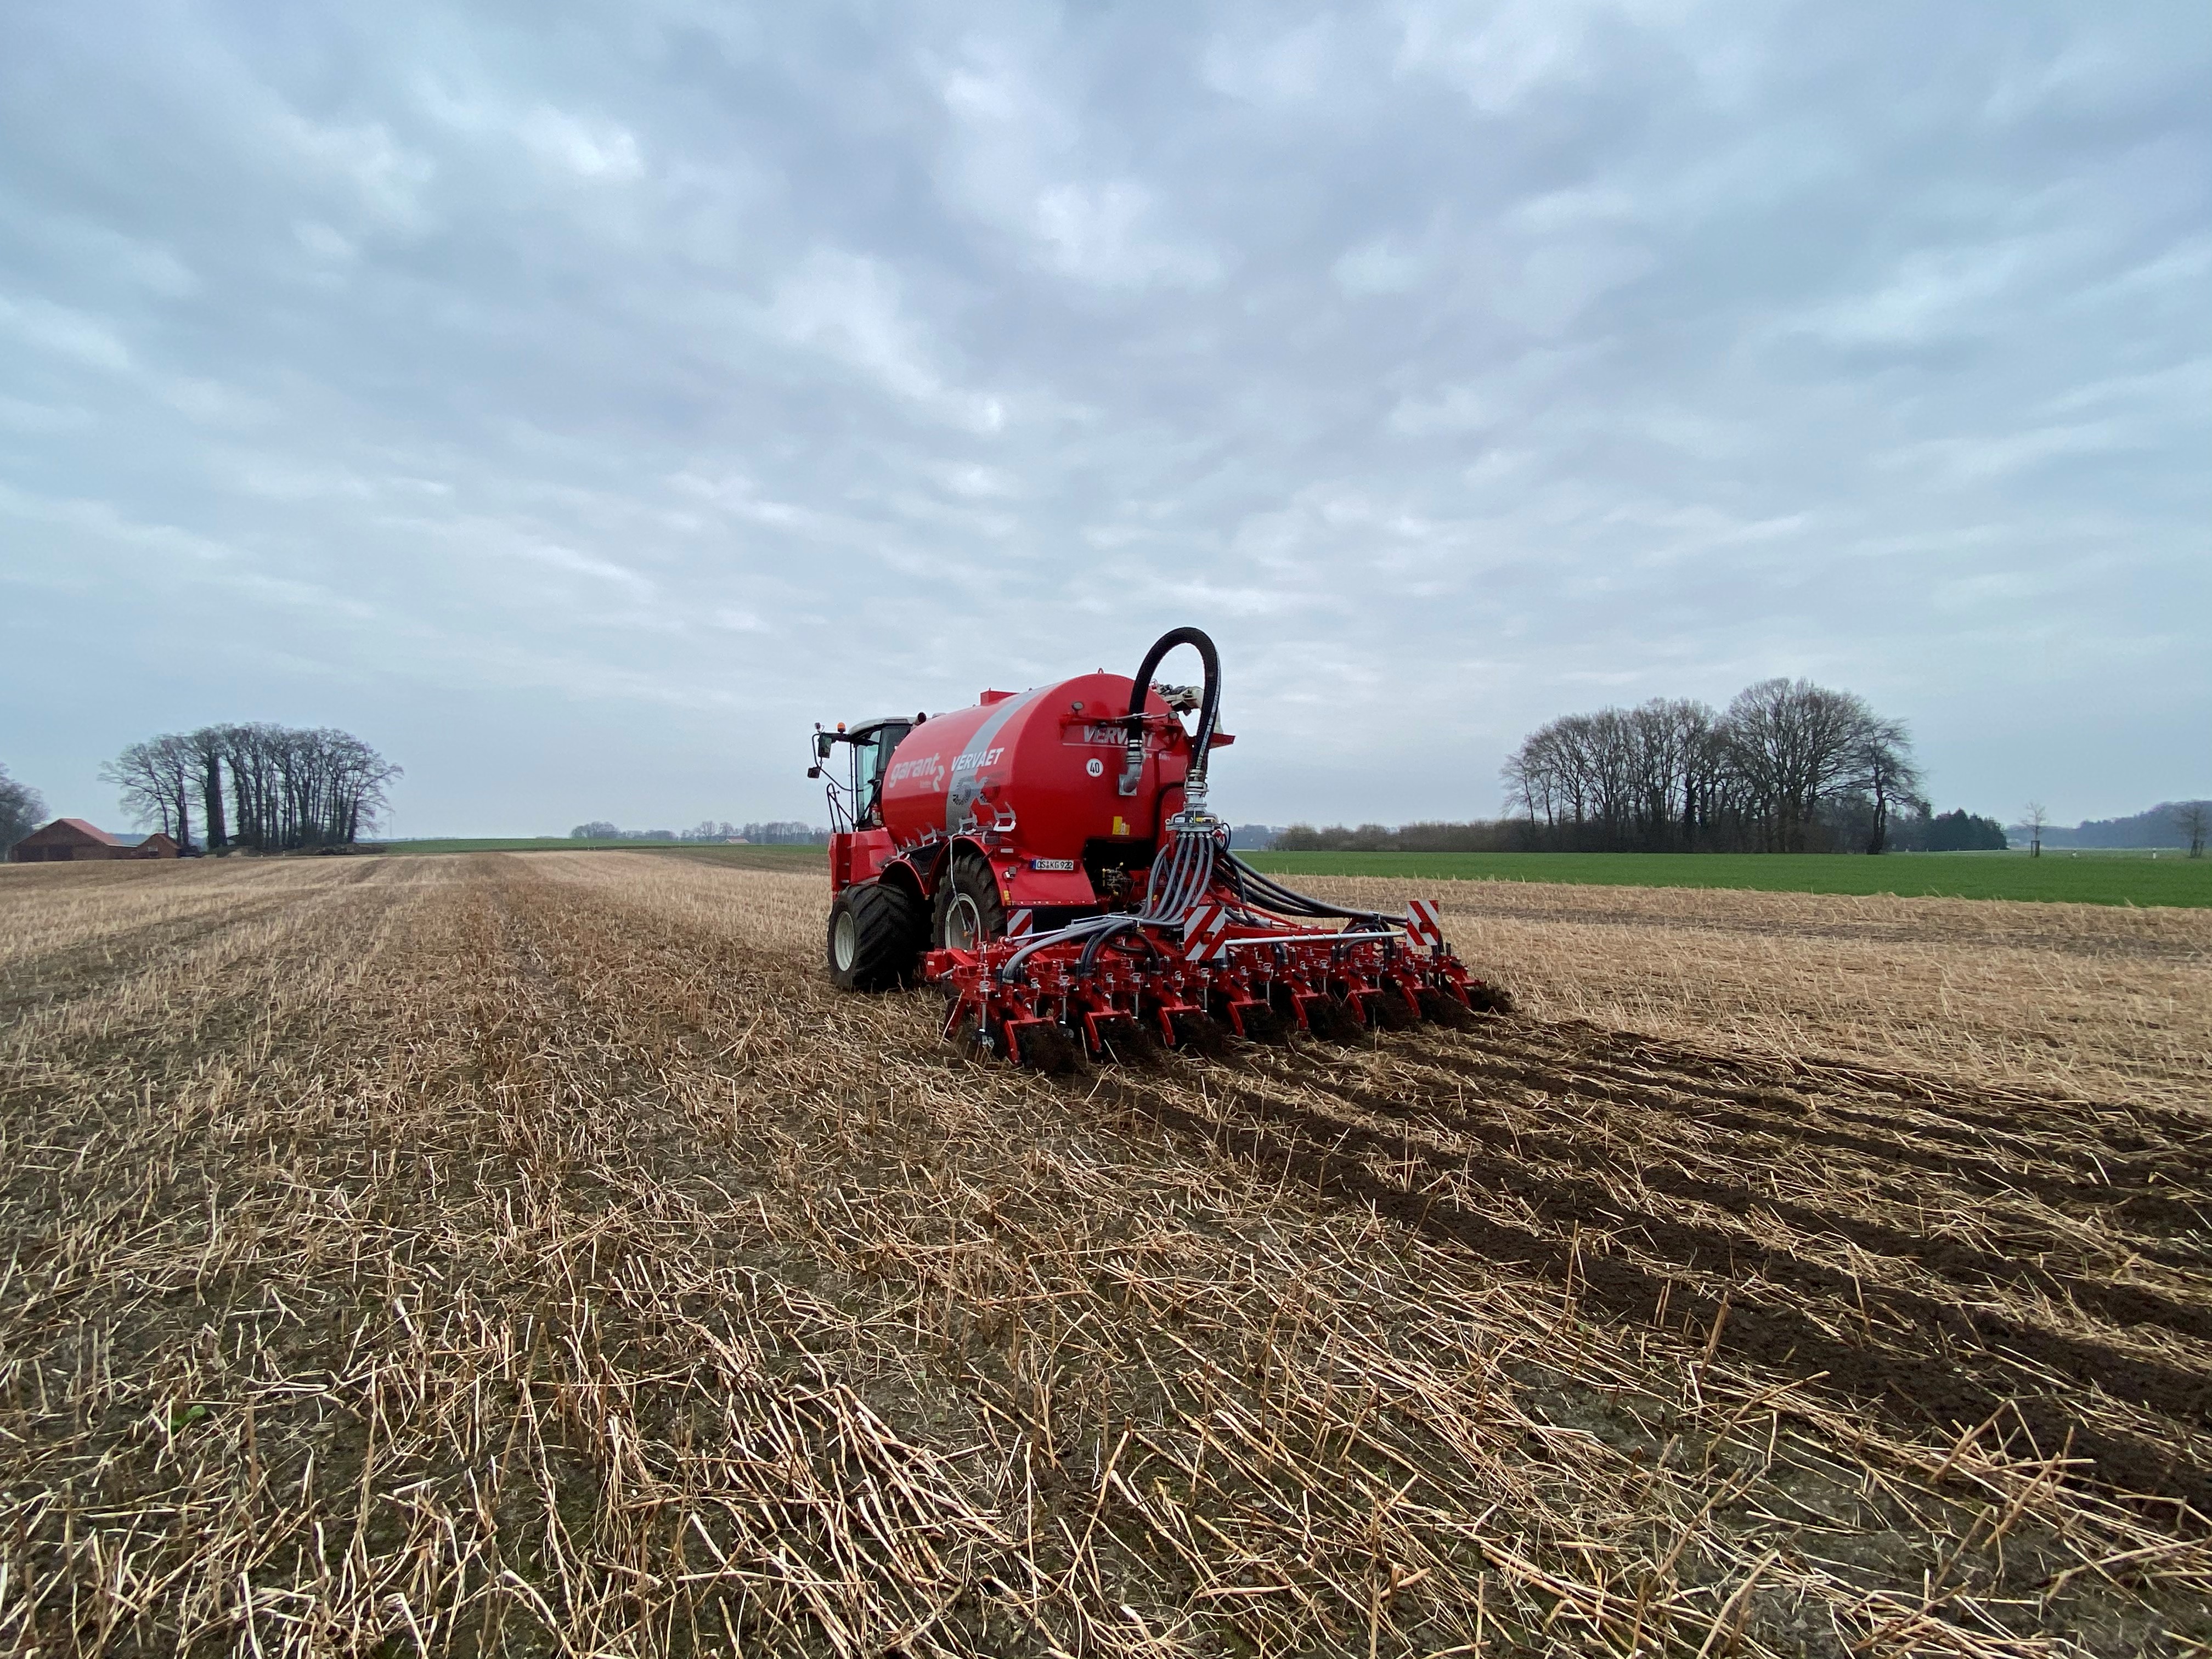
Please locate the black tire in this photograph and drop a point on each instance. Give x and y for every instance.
(875, 938)
(969, 909)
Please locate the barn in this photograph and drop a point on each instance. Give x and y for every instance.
(72, 840)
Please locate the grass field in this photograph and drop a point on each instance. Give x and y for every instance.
(2093, 877)
(533, 1255)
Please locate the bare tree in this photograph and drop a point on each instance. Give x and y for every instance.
(2194, 819)
(21, 809)
(156, 781)
(1887, 772)
(1790, 761)
(2035, 817)
(206, 745)
(1795, 746)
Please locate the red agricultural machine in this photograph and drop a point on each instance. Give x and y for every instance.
(1047, 858)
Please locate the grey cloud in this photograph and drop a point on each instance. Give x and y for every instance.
(636, 388)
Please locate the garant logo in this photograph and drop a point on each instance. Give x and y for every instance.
(930, 768)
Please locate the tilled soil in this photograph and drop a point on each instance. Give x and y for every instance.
(535, 1254)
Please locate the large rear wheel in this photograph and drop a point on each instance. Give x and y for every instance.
(969, 909)
(876, 938)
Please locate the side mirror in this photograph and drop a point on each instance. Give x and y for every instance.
(813, 771)
(822, 742)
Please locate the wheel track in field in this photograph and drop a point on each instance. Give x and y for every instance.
(1647, 1128)
(1919, 1386)
(1947, 1258)
(1718, 1110)
(2161, 1386)
(2186, 1134)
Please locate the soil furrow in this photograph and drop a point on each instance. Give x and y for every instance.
(2161, 1387)
(1920, 1388)
(2145, 1209)
(2123, 1305)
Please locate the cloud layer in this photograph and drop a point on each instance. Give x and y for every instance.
(579, 404)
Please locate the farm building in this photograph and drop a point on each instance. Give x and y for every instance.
(69, 840)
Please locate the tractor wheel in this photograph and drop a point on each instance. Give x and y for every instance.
(969, 909)
(876, 938)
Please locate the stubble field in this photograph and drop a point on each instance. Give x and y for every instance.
(532, 1253)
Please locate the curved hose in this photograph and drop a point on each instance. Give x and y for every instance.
(1272, 895)
(1209, 706)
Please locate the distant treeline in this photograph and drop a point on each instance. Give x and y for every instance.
(1916, 831)
(270, 788)
(1789, 767)
(776, 833)
(2169, 824)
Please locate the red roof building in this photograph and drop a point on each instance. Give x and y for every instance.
(68, 841)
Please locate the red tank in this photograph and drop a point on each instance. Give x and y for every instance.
(1037, 774)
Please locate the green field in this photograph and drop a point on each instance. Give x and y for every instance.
(2093, 878)
(2090, 877)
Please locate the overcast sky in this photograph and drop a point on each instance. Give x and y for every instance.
(579, 403)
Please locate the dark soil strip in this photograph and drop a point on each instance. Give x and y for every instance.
(2163, 1388)
(2072, 1120)
(2124, 1304)
(2145, 1209)
(1922, 1387)
(2128, 1156)
(2191, 1252)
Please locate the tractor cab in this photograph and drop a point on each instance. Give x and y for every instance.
(856, 786)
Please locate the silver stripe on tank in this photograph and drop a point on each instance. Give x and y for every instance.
(961, 789)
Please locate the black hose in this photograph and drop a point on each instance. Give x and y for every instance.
(1209, 702)
(1097, 943)
(1272, 895)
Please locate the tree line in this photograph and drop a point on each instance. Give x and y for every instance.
(775, 832)
(1919, 830)
(2170, 824)
(1788, 767)
(265, 787)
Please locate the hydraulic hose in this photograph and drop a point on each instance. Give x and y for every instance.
(1209, 708)
(1270, 893)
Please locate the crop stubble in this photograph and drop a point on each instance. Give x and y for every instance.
(535, 1254)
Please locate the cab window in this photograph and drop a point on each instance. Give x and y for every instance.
(871, 759)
